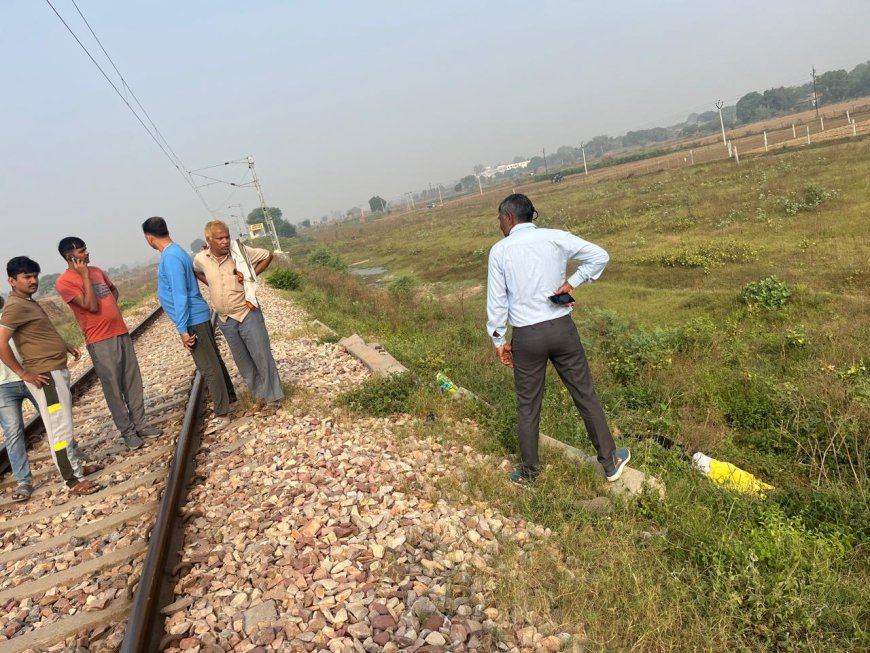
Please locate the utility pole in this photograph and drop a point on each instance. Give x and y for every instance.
(719, 106)
(478, 185)
(275, 243)
(410, 195)
(546, 170)
(583, 150)
(815, 99)
(440, 200)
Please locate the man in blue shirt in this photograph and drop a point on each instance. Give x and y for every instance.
(179, 295)
(526, 273)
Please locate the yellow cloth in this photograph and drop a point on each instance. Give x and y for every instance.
(733, 478)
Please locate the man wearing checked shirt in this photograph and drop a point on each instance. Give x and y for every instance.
(526, 269)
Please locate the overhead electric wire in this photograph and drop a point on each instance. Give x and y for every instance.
(176, 161)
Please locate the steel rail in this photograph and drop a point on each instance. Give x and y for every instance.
(34, 425)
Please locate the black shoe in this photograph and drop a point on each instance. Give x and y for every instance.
(149, 432)
(133, 441)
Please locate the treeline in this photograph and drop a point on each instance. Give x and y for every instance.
(831, 87)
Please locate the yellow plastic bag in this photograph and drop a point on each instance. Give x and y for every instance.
(729, 476)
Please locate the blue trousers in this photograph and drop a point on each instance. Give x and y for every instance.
(12, 396)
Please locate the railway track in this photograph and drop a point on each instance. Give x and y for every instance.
(76, 573)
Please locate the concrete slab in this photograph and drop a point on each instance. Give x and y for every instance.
(378, 360)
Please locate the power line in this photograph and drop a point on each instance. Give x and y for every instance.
(173, 158)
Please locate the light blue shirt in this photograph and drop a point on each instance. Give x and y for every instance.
(524, 270)
(177, 289)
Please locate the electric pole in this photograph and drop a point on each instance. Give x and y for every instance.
(815, 99)
(268, 218)
(583, 150)
(719, 106)
(478, 185)
(546, 170)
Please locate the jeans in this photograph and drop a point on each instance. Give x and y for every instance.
(12, 396)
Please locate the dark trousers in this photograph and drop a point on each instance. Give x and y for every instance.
(210, 364)
(557, 341)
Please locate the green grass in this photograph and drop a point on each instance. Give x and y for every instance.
(732, 319)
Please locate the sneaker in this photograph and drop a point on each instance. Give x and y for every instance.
(133, 441)
(149, 432)
(620, 458)
(519, 477)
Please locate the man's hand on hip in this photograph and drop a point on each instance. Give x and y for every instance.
(504, 354)
(188, 340)
(34, 379)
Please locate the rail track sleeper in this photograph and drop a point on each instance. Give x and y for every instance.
(88, 530)
(51, 472)
(119, 488)
(68, 627)
(159, 408)
(73, 575)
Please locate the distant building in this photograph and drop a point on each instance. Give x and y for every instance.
(489, 172)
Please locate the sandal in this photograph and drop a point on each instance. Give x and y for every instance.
(84, 487)
(93, 468)
(22, 493)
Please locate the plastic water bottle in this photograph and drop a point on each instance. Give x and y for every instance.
(445, 384)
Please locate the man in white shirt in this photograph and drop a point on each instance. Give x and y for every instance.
(526, 287)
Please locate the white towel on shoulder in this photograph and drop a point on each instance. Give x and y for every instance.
(243, 264)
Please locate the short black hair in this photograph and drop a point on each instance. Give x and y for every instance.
(155, 227)
(21, 265)
(518, 205)
(68, 244)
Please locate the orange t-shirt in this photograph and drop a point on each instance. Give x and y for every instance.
(106, 322)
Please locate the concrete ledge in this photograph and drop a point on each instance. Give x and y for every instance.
(632, 481)
(374, 357)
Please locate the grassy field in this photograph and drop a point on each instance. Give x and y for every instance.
(733, 319)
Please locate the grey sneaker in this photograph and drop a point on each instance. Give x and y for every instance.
(620, 458)
(133, 441)
(149, 432)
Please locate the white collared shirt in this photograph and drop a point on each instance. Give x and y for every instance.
(524, 270)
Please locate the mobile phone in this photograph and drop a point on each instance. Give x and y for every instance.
(562, 298)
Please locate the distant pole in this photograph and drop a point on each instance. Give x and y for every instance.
(440, 200)
(854, 133)
(692, 156)
(808, 134)
(410, 195)
(730, 150)
(765, 141)
(793, 132)
(719, 106)
(815, 98)
(546, 170)
(848, 119)
(822, 120)
(275, 242)
(736, 156)
(585, 169)
(479, 186)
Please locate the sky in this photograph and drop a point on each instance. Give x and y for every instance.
(340, 101)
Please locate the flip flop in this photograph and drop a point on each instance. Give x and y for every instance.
(22, 493)
(93, 468)
(85, 487)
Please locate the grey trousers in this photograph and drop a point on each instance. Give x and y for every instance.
(249, 342)
(208, 361)
(117, 368)
(55, 407)
(557, 341)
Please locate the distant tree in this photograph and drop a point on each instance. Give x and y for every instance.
(752, 107)
(833, 86)
(324, 219)
(284, 228)
(197, 245)
(458, 188)
(377, 204)
(859, 80)
(354, 212)
(479, 168)
(256, 216)
(46, 285)
(468, 182)
(535, 162)
(306, 223)
(518, 159)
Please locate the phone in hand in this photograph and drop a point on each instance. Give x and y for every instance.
(561, 299)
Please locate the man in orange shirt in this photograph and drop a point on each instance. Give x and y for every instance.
(93, 300)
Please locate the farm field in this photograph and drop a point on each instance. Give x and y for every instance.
(733, 319)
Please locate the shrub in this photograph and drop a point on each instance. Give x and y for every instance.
(402, 287)
(380, 397)
(324, 257)
(284, 279)
(771, 293)
(704, 256)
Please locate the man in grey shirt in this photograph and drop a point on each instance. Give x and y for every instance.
(526, 287)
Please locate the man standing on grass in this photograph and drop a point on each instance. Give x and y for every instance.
(93, 299)
(230, 270)
(13, 392)
(525, 281)
(179, 296)
(44, 371)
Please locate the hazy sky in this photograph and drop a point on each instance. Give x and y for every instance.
(339, 101)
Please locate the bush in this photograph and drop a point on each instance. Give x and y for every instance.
(323, 257)
(380, 397)
(403, 286)
(771, 293)
(284, 279)
(705, 256)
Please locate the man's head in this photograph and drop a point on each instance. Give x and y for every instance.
(23, 275)
(71, 248)
(217, 235)
(156, 232)
(514, 209)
